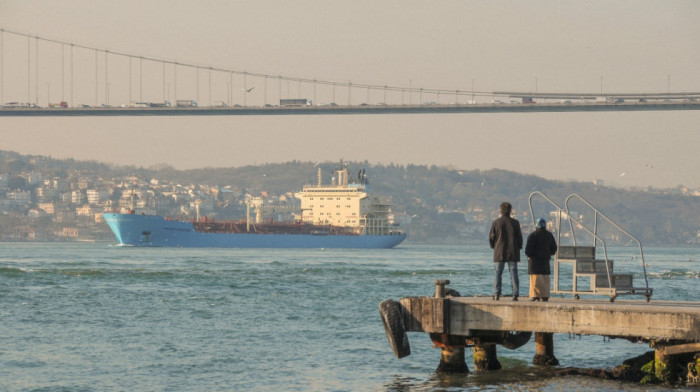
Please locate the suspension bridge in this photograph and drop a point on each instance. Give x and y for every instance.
(42, 76)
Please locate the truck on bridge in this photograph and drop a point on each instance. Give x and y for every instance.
(186, 103)
(296, 102)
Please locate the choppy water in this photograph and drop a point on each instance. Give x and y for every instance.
(95, 317)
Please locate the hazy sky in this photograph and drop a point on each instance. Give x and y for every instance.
(632, 46)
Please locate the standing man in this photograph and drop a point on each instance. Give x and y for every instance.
(506, 240)
(539, 249)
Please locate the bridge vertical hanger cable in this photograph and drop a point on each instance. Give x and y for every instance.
(96, 69)
(71, 76)
(36, 72)
(106, 77)
(2, 57)
(29, 72)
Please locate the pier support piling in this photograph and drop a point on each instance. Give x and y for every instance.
(452, 361)
(485, 357)
(544, 350)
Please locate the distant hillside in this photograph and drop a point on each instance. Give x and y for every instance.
(438, 204)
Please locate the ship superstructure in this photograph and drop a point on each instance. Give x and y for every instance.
(345, 204)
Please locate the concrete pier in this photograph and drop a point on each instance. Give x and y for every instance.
(454, 323)
(635, 320)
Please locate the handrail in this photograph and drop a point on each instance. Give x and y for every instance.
(559, 211)
(571, 226)
(597, 212)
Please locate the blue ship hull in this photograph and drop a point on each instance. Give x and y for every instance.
(156, 231)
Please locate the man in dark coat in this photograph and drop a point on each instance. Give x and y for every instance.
(539, 248)
(506, 240)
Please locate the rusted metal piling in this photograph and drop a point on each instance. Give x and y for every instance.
(456, 323)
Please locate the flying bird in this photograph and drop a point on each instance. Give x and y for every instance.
(248, 90)
(649, 165)
(623, 173)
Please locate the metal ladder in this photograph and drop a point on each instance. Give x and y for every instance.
(582, 258)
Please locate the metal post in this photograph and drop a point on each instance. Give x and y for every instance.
(245, 89)
(175, 84)
(209, 87)
(349, 93)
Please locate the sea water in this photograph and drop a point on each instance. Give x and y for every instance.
(97, 317)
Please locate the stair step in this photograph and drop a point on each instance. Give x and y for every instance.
(593, 266)
(576, 252)
(619, 281)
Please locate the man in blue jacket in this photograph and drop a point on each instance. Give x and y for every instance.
(506, 240)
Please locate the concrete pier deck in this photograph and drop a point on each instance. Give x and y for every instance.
(633, 319)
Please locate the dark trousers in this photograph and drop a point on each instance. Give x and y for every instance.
(515, 283)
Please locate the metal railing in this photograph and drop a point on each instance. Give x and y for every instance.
(593, 232)
(612, 223)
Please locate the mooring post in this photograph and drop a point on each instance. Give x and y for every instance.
(485, 356)
(544, 350)
(440, 287)
(451, 347)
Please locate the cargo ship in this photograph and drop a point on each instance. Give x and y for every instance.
(342, 214)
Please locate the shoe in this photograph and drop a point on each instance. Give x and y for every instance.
(515, 298)
(496, 297)
(535, 299)
(545, 299)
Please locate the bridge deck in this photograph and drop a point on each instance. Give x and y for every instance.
(655, 320)
(316, 110)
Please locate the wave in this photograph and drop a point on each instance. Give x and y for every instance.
(673, 274)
